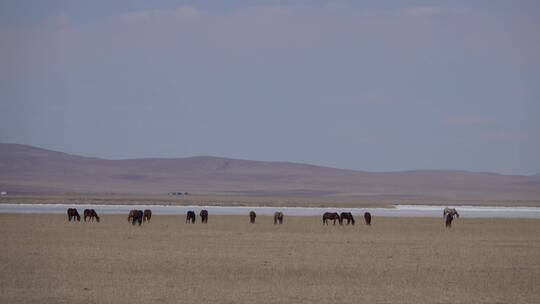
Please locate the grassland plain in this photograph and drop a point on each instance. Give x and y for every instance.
(45, 259)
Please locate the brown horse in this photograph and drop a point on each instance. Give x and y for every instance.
(147, 215)
(328, 216)
(90, 214)
(347, 216)
(135, 216)
(278, 218)
(131, 214)
(367, 218)
(252, 216)
(73, 214)
(190, 217)
(204, 216)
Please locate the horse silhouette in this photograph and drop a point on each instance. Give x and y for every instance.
(73, 214)
(347, 216)
(449, 214)
(190, 217)
(147, 215)
(204, 216)
(278, 218)
(135, 216)
(367, 218)
(90, 214)
(329, 216)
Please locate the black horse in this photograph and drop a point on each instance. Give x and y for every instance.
(135, 216)
(278, 218)
(328, 216)
(367, 218)
(252, 216)
(190, 217)
(204, 216)
(73, 214)
(147, 215)
(347, 216)
(90, 214)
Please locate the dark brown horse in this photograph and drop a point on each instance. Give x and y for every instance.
(131, 214)
(367, 218)
(73, 214)
(135, 216)
(190, 217)
(90, 214)
(347, 216)
(147, 215)
(252, 216)
(328, 216)
(278, 218)
(204, 216)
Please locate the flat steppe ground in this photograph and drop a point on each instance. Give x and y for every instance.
(45, 259)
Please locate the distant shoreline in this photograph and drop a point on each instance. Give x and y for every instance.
(431, 211)
(258, 201)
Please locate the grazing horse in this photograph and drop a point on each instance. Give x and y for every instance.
(73, 214)
(449, 214)
(135, 216)
(204, 216)
(131, 214)
(331, 216)
(90, 214)
(190, 217)
(367, 218)
(147, 215)
(347, 216)
(451, 211)
(278, 217)
(252, 216)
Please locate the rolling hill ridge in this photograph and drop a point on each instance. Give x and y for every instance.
(27, 169)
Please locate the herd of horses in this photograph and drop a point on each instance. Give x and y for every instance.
(138, 216)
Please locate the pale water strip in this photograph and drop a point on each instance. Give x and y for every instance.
(395, 211)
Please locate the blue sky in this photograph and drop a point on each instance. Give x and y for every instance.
(379, 86)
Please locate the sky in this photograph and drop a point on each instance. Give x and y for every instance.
(365, 85)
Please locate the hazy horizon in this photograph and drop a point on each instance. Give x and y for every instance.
(416, 85)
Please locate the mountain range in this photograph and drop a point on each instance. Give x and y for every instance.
(31, 170)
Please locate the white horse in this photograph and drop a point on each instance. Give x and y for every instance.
(448, 215)
(452, 211)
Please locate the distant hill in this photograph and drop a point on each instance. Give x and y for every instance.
(26, 169)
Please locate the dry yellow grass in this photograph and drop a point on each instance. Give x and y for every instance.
(44, 259)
